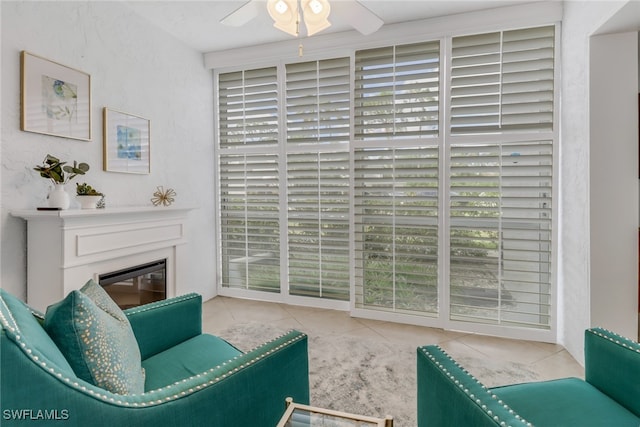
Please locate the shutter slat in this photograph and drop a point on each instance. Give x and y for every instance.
(396, 229)
(248, 107)
(318, 112)
(503, 69)
(500, 245)
(250, 222)
(393, 88)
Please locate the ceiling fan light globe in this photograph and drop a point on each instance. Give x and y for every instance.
(315, 6)
(285, 15)
(282, 10)
(316, 9)
(281, 7)
(316, 14)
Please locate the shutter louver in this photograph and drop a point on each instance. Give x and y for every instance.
(500, 213)
(250, 218)
(248, 107)
(503, 81)
(318, 233)
(396, 220)
(318, 101)
(318, 126)
(397, 91)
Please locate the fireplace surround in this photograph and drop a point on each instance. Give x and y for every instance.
(67, 248)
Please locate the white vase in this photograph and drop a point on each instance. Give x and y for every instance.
(59, 198)
(88, 202)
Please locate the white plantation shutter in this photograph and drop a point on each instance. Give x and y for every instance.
(501, 193)
(503, 81)
(318, 124)
(249, 181)
(396, 220)
(248, 107)
(318, 101)
(397, 91)
(500, 214)
(354, 164)
(318, 233)
(250, 217)
(396, 189)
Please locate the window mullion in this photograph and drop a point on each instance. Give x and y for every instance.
(444, 193)
(282, 162)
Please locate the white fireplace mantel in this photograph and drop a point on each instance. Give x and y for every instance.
(67, 248)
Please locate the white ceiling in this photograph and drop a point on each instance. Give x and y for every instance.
(197, 23)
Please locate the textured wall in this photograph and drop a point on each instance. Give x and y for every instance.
(135, 68)
(613, 150)
(580, 20)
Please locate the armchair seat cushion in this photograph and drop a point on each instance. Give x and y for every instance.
(565, 402)
(191, 357)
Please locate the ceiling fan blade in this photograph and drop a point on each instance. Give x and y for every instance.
(362, 18)
(242, 15)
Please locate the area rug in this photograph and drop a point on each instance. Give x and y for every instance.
(364, 376)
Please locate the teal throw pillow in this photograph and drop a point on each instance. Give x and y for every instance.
(96, 338)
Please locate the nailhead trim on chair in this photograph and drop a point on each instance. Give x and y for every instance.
(150, 395)
(164, 303)
(622, 341)
(473, 397)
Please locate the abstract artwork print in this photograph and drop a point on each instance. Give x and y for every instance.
(59, 99)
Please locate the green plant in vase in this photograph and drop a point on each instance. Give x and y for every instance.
(59, 173)
(89, 197)
(85, 189)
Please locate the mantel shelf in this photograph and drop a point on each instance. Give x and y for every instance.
(115, 211)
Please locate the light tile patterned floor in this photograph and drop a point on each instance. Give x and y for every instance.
(547, 360)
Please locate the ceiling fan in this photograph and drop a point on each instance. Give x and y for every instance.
(287, 14)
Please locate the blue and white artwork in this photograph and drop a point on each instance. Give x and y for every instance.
(129, 143)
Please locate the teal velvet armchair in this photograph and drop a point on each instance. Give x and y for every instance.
(608, 396)
(192, 379)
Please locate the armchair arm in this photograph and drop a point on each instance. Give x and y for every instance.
(449, 396)
(163, 324)
(612, 364)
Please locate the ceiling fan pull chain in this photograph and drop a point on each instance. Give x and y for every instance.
(300, 48)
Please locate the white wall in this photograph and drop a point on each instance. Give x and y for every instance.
(580, 20)
(135, 68)
(613, 152)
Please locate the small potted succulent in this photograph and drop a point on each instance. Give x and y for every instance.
(88, 196)
(59, 173)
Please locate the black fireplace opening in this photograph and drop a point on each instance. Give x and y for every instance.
(134, 286)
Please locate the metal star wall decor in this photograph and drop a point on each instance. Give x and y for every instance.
(163, 197)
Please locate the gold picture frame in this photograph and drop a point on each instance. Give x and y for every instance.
(127, 142)
(55, 99)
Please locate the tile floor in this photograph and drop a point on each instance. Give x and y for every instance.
(549, 361)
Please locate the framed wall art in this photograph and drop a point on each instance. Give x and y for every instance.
(126, 142)
(56, 99)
